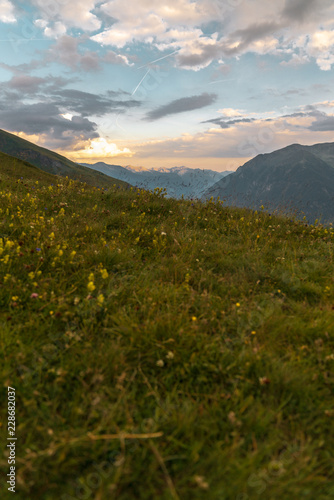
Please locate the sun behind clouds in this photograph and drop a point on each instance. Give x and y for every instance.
(98, 149)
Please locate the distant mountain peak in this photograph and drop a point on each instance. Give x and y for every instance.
(298, 177)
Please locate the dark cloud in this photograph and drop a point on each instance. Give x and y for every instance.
(249, 35)
(44, 118)
(298, 10)
(202, 55)
(182, 105)
(25, 83)
(323, 124)
(92, 104)
(50, 101)
(227, 123)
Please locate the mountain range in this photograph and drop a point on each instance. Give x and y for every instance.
(178, 181)
(296, 179)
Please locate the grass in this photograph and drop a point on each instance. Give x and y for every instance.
(163, 349)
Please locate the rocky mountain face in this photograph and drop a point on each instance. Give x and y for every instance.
(178, 181)
(296, 179)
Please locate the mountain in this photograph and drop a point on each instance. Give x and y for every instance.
(178, 181)
(13, 169)
(51, 162)
(296, 178)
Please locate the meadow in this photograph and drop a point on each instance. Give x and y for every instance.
(162, 349)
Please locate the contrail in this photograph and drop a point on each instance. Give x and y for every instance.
(141, 81)
(218, 81)
(160, 59)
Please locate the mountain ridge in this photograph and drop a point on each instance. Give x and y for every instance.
(178, 181)
(292, 178)
(51, 162)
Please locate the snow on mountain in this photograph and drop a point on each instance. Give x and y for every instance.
(178, 181)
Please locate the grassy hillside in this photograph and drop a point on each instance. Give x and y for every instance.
(51, 162)
(163, 349)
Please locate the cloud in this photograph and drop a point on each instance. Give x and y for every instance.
(88, 104)
(298, 10)
(248, 137)
(321, 47)
(296, 60)
(230, 112)
(226, 124)
(98, 148)
(7, 12)
(302, 11)
(66, 51)
(25, 83)
(294, 28)
(73, 14)
(182, 105)
(323, 124)
(61, 116)
(45, 118)
(112, 58)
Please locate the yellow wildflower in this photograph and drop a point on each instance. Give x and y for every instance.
(100, 299)
(104, 274)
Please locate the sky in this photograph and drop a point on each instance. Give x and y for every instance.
(196, 83)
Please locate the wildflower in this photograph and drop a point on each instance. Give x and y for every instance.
(76, 301)
(60, 253)
(51, 313)
(104, 274)
(163, 234)
(52, 236)
(237, 304)
(15, 298)
(100, 299)
(160, 363)
(201, 483)
(34, 296)
(91, 277)
(264, 380)
(170, 355)
(194, 318)
(91, 287)
(253, 332)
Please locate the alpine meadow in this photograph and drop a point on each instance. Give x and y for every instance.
(163, 348)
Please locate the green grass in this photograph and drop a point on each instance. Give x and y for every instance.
(163, 349)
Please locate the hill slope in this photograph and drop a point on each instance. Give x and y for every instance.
(178, 181)
(161, 348)
(293, 178)
(51, 162)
